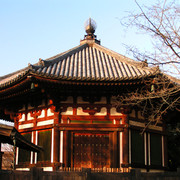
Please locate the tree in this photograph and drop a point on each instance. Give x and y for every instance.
(162, 22)
(159, 94)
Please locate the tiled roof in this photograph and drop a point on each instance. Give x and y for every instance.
(13, 77)
(86, 62)
(92, 62)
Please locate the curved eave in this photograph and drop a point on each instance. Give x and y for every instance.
(16, 88)
(84, 63)
(14, 81)
(112, 79)
(23, 78)
(92, 81)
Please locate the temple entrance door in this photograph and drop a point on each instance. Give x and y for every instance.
(91, 150)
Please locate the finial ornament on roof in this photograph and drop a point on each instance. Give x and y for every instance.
(90, 27)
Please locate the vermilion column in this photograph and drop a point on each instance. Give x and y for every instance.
(56, 140)
(65, 148)
(16, 122)
(35, 141)
(56, 144)
(56, 147)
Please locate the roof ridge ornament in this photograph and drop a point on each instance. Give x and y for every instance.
(90, 28)
(41, 62)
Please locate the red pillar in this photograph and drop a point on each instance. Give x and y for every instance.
(56, 145)
(65, 148)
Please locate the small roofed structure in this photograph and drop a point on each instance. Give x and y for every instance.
(9, 134)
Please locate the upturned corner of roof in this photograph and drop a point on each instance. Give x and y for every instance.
(144, 63)
(41, 62)
(156, 69)
(30, 66)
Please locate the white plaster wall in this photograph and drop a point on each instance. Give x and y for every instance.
(47, 122)
(29, 116)
(103, 112)
(22, 169)
(25, 126)
(47, 169)
(42, 114)
(49, 113)
(80, 112)
(113, 112)
(22, 118)
(68, 112)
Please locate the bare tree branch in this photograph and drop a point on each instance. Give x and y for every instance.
(162, 22)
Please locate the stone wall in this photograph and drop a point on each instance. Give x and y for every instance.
(86, 174)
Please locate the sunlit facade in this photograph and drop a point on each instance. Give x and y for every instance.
(65, 104)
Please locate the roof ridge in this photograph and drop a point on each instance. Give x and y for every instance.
(66, 53)
(90, 62)
(123, 58)
(112, 53)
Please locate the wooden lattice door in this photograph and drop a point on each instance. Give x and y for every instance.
(91, 150)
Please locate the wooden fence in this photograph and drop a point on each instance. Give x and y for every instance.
(86, 174)
(110, 170)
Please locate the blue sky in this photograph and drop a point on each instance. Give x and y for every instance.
(33, 29)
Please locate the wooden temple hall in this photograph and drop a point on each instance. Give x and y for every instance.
(64, 104)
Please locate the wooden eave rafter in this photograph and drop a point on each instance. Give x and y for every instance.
(9, 82)
(14, 87)
(17, 89)
(21, 79)
(80, 82)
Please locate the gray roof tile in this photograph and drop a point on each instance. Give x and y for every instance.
(86, 62)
